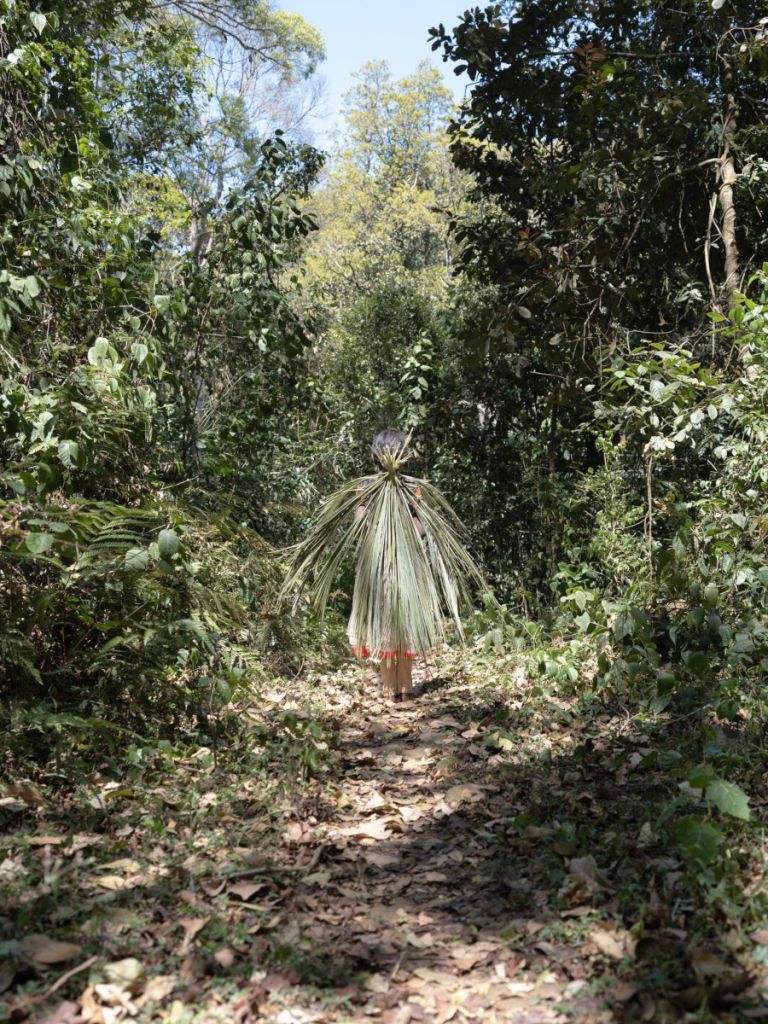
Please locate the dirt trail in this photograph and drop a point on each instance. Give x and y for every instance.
(413, 881)
(446, 860)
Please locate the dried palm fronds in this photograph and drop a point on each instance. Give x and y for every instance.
(404, 583)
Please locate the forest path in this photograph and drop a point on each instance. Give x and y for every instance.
(418, 885)
(485, 852)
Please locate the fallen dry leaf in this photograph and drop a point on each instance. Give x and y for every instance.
(321, 878)
(398, 1015)
(224, 957)
(245, 890)
(115, 995)
(126, 865)
(27, 793)
(158, 989)
(467, 956)
(374, 828)
(410, 814)
(583, 911)
(374, 802)
(10, 803)
(378, 983)
(708, 966)
(623, 992)
(91, 1010)
(381, 859)
(65, 1013)
(434, 877)
(586, 871)
(446, 1013)
(83, 840)
(128, 974)
(607, 943)
(447, 722)
(115, 883)
(293, 832)
(519, 988)
(192, 926)
(276, 982)
(46, 952)
(466, 793)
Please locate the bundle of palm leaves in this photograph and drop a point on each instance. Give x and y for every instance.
(405, 583)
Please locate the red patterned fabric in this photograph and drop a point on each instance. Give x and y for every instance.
(383, 655)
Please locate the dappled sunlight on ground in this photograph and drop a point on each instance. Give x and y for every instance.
(480, 853)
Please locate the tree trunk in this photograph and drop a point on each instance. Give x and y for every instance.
(726, 179)
(552, 453)
(199, 235)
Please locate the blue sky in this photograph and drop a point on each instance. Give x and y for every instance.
(356, 31)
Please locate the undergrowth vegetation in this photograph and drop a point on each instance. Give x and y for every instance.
(555, 288)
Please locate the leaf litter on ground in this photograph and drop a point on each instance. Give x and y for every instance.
(425, 873)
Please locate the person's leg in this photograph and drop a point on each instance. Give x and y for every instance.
(405, 676)
(389, 676)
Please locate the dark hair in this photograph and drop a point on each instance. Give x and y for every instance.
(388, 438)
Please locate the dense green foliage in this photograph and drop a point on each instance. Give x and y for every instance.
(132, 368)
(560, 288)
(601, 144)
(555, 288)
(615, 213)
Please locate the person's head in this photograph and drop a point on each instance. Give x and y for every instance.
(388, 439)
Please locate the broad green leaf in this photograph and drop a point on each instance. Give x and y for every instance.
(69, 453)
(102, 352)
(583, 621)
(136, 559)
(59, 528)
(698, 662)
(168, 543)
(39, 20)
(139, 351)
(39, 543)
(701, 776)
(32, 286)
(743, 644)
(665, 683)
(699, 842)
(729, 798)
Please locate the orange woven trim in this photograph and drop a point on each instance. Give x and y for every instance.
(365, 652)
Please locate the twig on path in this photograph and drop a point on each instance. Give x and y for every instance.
(262, 870)
(60, 982)
(396, 968)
